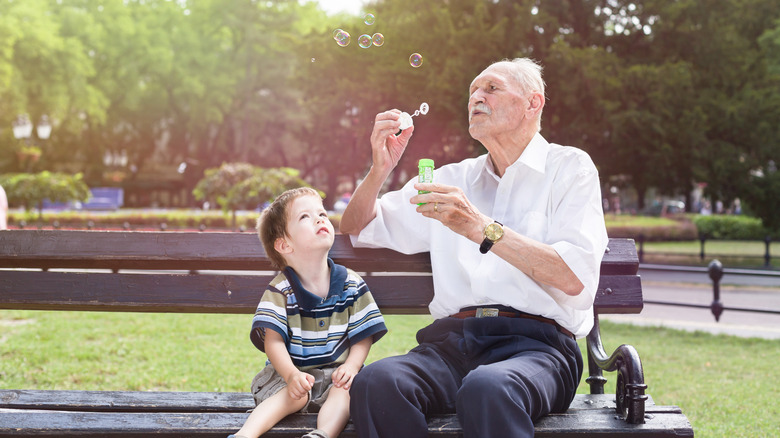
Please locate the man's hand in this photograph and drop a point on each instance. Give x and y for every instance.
(386, 147)
(449, 205)
(299, 384)
(342, 377)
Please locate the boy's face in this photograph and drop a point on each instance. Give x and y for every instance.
(308, 226)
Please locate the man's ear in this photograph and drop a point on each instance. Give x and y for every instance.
(535, 102)
(282, 246)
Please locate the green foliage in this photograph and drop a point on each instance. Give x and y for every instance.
(662, 94)
(243, 186)
(731, 227)
(29, 190)
(762, 197)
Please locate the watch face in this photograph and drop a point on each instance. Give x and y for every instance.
(494, 231)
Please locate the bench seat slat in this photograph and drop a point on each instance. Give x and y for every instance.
(177, 414)
(194, 401)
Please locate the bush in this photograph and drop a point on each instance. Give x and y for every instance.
(732, 227)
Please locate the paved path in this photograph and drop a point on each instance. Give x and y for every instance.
(696, 288)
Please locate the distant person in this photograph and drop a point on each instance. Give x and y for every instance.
(3, 210)
(516, 238)
(316, 321)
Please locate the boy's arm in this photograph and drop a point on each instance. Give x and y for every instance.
(298, 383)
(342, 377)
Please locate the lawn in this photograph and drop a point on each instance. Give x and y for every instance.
(722, 383)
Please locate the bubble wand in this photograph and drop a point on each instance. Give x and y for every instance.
(406, 118)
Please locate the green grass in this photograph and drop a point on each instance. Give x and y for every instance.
(725, 385)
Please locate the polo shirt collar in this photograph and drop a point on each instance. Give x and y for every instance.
(308, 300)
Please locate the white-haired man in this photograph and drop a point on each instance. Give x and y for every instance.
(516, 238)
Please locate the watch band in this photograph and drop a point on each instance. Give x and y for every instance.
(487, 243)
(485, 246)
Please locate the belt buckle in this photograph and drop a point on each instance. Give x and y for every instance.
(486, 312)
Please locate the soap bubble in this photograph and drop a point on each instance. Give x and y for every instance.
(416, 60)
(369, 19)
(342, 38)
(364, 41)
(337, 34)
(424, 108)
(378, 39)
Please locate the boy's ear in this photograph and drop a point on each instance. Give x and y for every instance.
(281, 246)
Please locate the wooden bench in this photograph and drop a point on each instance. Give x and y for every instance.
(400, 283)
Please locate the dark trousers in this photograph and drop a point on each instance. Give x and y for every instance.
(498, 374)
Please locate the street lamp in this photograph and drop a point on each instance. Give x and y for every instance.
(22, 127)
(44, 128)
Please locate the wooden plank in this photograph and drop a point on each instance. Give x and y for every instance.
(183, 293)
(192, 401)
(126, 401)
(591, 423)
(212, 251)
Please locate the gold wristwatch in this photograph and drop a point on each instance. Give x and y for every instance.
(493, 233)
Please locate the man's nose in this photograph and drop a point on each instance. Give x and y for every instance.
(475, 98)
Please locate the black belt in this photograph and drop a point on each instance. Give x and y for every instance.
(506, 312)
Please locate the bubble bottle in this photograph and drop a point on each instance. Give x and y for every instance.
(425, 174)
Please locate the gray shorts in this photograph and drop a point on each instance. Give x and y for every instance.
(268, 382)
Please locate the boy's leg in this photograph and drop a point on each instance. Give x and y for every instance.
(334, 414)
(269, 412)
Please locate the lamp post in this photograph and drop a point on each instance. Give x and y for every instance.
(29, 154)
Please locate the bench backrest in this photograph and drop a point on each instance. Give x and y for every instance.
(234, 271)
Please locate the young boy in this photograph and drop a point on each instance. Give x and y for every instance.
(315, 322)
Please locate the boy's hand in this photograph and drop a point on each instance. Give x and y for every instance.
(342, 377)
(299, 384)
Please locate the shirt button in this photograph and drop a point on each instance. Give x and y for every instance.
(322, 323)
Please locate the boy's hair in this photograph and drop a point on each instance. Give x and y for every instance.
(272, 223)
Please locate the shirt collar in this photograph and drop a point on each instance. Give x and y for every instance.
(308, 300)
(534, 157)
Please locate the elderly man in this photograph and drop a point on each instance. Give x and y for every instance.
(516, 238)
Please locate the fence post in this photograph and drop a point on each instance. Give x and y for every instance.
(767, 256)
(702, 238)
(716, 273)
(641, 247)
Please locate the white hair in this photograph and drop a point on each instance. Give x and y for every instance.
(527, 74)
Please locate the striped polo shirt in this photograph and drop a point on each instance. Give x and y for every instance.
(318, 331)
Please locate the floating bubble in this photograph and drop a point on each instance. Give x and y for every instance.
(369, 19)
(337, 34)
(364, 41)
(416, 60)
(343, 38)
(378, 39)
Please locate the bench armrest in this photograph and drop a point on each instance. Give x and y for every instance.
(630, 387)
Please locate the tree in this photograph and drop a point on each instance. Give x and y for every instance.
(237, 186)
(30, 190)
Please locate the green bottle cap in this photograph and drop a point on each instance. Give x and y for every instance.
(425, 162)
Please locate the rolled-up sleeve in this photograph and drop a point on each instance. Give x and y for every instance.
(578, 232)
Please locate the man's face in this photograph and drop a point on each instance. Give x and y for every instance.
(496, 104)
